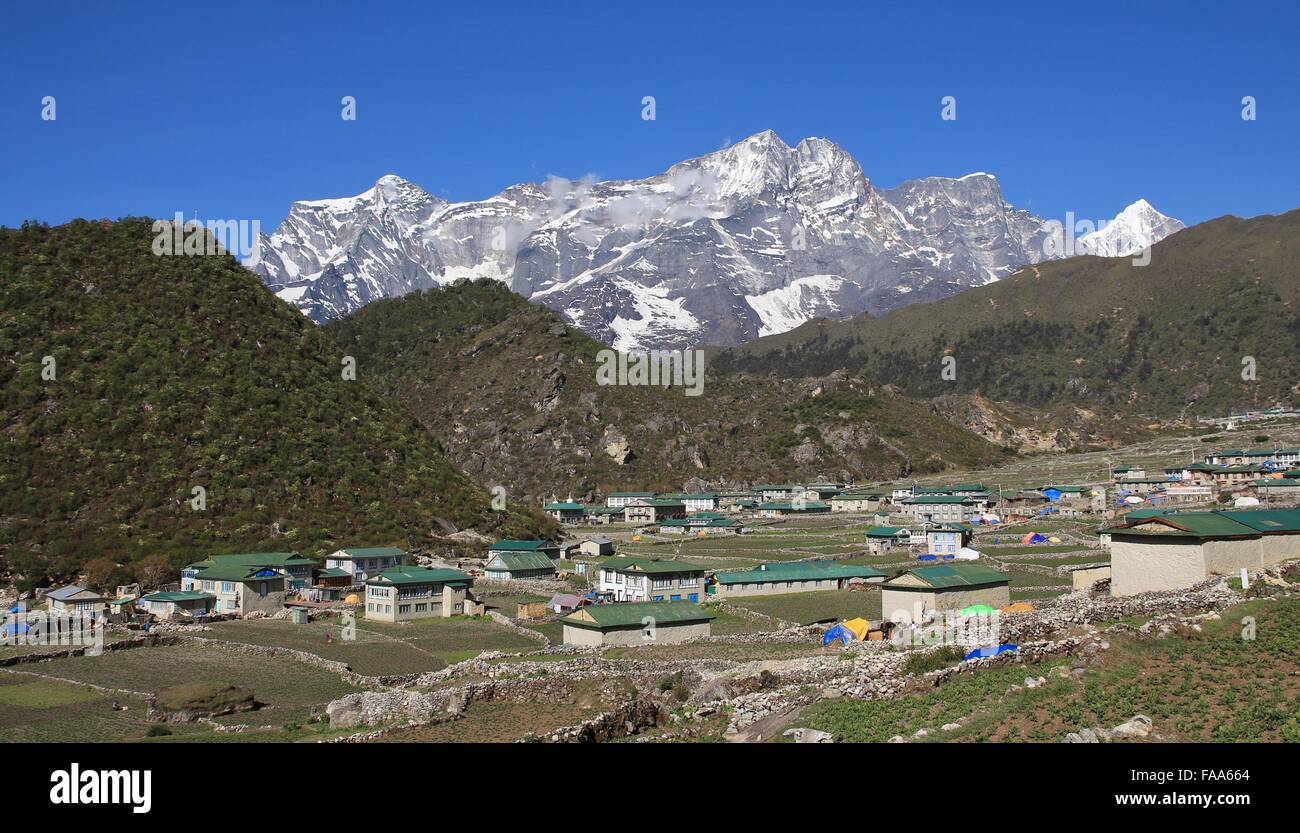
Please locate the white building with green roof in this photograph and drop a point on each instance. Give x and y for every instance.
(636, 623)
(633, 579)
(514, 565)
(401, 593)
(179, 604)
(363, 562)
(782, 577)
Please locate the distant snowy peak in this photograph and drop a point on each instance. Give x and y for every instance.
(752, 239)
(1135, 228)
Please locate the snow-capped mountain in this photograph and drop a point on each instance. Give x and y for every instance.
(750, 240)
(1134, 229)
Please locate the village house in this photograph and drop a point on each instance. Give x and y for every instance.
(942, 509)
(508, 545)
(566, 512)
(731, 500)
(240, 588)
(947, 539)
(856, 502)
(695, 501)
(912, 595)
(632, 579)
(74, 600)
(1127, 473)
(779, 509)
(513, 565)
(1236, 476)
(1281, 490)
(617, 500)
(296, 570)
(778, 493)
(822, 491)
(637, 623)
(792, 577)
(1176, 550)
(597, 547)
(882, 539)
(401, 593)
(183, 604)
(602, 514)
(653, 510)
(360, 563)
(701, 525)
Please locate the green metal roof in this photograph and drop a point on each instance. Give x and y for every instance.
(887, 532)
(514, 545)
(631, 494)
(1212, 524)
(1267, 520)
(634, 614)
(372, 552)
(421, 575)
(177, 596)
(633, 564)
(564, 504)
(254, 559)
(797, 571)
(956, 575)
(936, 499)
(803, 507)
(717, 523)
(237, 572)
(333, 572)
(521, 561)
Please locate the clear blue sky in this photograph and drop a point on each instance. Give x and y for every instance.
(233, 109)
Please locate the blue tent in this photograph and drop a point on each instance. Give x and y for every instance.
(925, 558)
(841, 633)
(990, 651)
(1052, 494)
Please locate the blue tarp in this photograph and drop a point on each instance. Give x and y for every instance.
(1052, 494)
(925, 558)
(15, 628)
(991, 651)
(841, 633)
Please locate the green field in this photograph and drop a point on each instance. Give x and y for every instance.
(38, 708)
(806, 608)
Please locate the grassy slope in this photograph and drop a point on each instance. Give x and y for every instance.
(1210, 686)
(174, 372)
(1100, 332)
(511, 393)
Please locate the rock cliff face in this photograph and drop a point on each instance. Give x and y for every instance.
(751, 240)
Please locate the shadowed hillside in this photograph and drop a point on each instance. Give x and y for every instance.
(510, 390)
(172, 373)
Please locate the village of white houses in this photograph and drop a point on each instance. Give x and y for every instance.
(649, 416)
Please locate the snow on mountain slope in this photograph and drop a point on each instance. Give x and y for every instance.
(750, 240)
(1133, 229)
